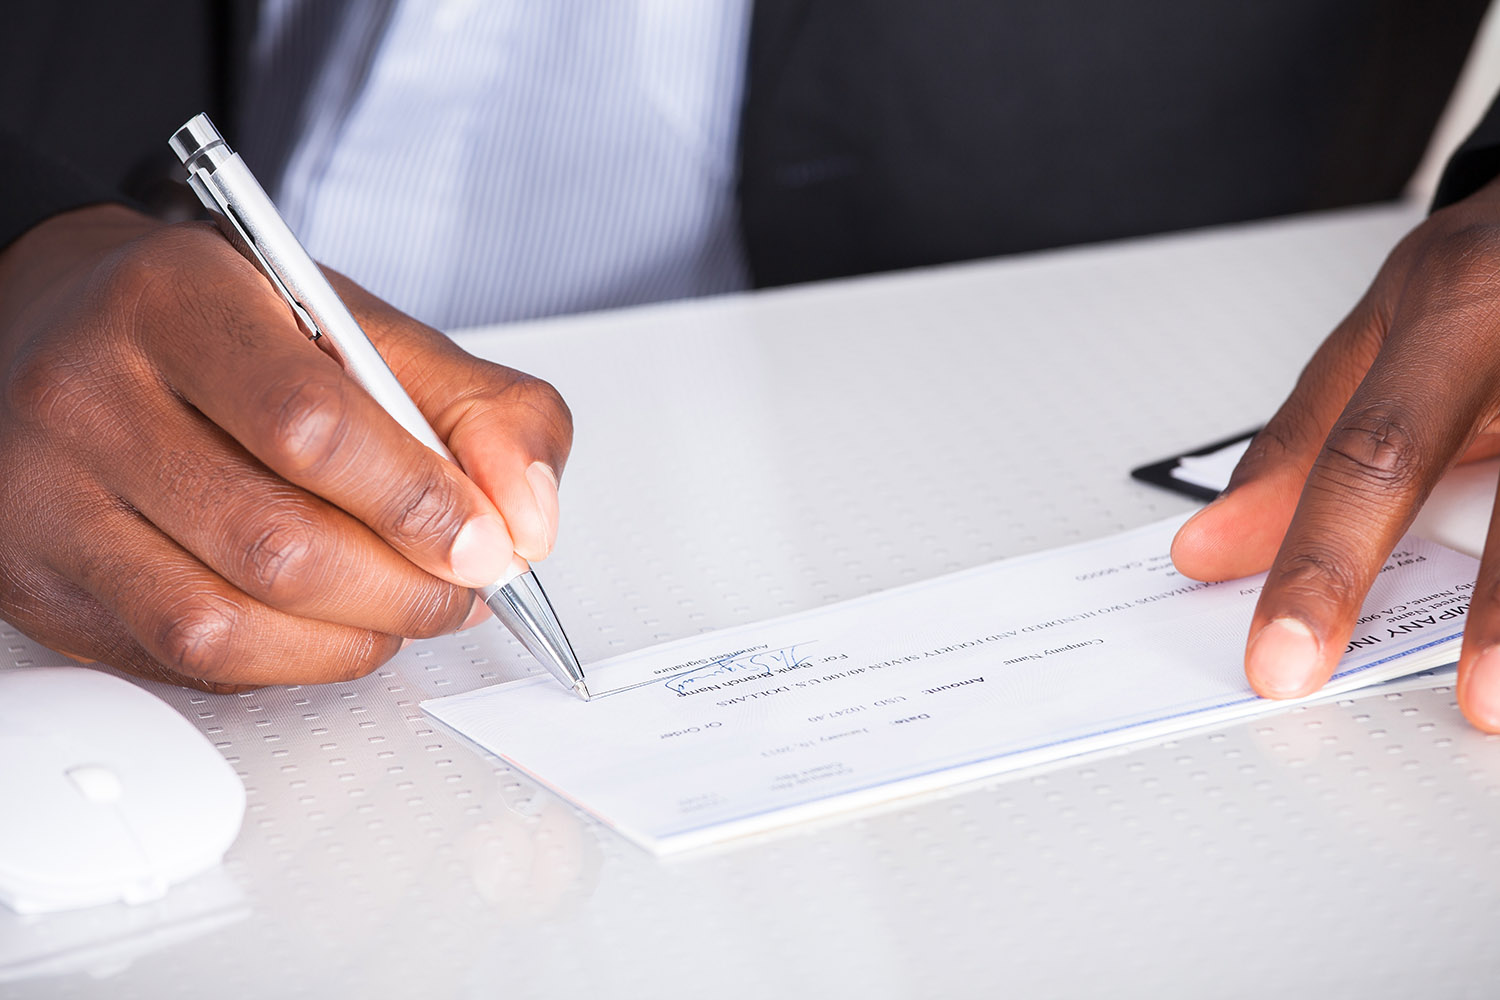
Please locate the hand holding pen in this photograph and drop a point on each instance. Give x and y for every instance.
(245, 215)
(194, 492)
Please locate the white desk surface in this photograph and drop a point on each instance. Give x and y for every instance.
(747, 456)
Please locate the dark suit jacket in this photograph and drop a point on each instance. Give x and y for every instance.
(880, 134)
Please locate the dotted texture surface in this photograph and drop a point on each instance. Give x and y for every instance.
(749, 456)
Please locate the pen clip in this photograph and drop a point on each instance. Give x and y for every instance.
(234, 230)
(204, 153)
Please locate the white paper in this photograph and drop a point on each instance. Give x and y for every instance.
(1211, 471)
(1000, 667)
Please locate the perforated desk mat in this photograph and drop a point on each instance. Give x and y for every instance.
(748, 456)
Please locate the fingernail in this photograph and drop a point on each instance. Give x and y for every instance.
(544, 487)
(1283, 659)
(404, 643)
(1482, 692)
(481, 552)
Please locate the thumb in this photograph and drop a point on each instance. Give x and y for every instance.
(1240, 532)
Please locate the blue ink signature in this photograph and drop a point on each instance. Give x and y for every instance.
(761, 663)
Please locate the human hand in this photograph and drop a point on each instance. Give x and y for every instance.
(192, 491)
(1406, 386)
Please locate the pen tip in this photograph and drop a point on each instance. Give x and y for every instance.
(581, 689)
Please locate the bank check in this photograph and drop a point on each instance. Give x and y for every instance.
(989, 670)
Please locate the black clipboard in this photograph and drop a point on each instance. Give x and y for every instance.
(1160, 473)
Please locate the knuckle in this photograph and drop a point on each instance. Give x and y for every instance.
(423, 513)
(281, 561)
(562, 416)
(78, 359)
(1463, 258)
(310, 420)
(196, 638)
(140, 287)
(130, 276)
(142, 284)
(1319, 574)
(1374, 447)
(544, 397)
(51, 385)
(546, 404)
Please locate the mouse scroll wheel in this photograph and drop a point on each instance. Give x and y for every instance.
(96, 782)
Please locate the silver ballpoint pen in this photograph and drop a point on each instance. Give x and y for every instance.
(251, 223)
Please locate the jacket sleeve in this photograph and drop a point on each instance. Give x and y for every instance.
(1474, 164)
(36, 187)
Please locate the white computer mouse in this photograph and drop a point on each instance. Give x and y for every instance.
(106, 792)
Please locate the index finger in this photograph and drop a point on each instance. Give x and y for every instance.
(1401, 430)
(254, 374)
(510, 432)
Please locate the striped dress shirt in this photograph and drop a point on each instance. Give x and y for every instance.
(478, 161)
